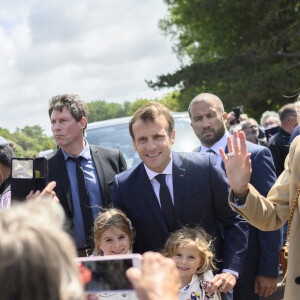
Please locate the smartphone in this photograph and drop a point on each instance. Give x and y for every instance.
(107, 273)
(28, 174)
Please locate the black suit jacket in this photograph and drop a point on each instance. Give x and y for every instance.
(108, 163)
(200, 198)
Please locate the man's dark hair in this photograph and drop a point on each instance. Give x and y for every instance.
(6, 154)
(287, 111)
(149, 112)
(72, 103)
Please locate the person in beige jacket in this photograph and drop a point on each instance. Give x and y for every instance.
(272, 212)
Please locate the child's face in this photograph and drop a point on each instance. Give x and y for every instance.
(114, 241)
(187, 260)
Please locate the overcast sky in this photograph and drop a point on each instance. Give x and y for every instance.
(98, 49)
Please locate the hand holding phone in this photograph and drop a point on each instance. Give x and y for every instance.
(158, 279)
(47, 192)
(28, 174)
(108, 273)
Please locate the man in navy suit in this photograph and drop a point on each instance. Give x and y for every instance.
(196, 188)
(260, 272)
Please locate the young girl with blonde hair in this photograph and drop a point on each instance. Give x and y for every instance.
(193, 255)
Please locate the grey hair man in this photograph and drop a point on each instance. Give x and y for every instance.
(269, 119)
(251, 130)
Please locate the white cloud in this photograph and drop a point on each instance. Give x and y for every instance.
(98, 49)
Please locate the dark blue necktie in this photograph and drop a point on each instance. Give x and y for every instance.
(210, 151)
(85, 205)
(166, 202)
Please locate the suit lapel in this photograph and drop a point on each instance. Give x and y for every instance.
(198, 149)
(178, 185)
(100, 172)
(64, 177)
(146, 187)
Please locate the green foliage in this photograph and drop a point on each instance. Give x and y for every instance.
(101, 110)
(136, 105)
(28, 141)
(247, 52)
(171, 101)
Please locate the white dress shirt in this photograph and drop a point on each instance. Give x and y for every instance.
(221, 143)
(156, 185)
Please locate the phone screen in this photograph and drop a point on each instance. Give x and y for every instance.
(22, 168)
(106, 275)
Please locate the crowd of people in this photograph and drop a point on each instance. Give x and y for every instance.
(173, 203)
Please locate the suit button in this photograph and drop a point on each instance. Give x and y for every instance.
(297, 280)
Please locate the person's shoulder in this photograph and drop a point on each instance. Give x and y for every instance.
(259, 152)
(252, 148)
(54, 155)
(197, 149)
(131, 173)
(194, 160)
(195, 157)
(104, 150)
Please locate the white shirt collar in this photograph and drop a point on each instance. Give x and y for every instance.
(168, 170)
(221, 143)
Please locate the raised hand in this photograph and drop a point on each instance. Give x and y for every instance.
(237, 163)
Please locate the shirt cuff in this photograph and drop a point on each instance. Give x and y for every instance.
(239, 200)
(236, 274)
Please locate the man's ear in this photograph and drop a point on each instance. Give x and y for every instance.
(83, 122)
(224, 115)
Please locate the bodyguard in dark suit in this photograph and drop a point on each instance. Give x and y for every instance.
(260, 272)
(194, 190)
(83, 173)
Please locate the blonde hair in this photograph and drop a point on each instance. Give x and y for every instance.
(108, 219)
(196, 237)
(36, 255)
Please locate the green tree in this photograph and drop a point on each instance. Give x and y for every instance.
(136, 105)
(247, 52)
(28, 141)
(101, 110)
(171, 101)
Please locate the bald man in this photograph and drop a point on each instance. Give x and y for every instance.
(260, 272)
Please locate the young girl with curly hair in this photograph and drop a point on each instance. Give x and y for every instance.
(193, 255)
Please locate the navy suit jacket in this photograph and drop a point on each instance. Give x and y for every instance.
(200, 198)
(108, 162)
(264, 246)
